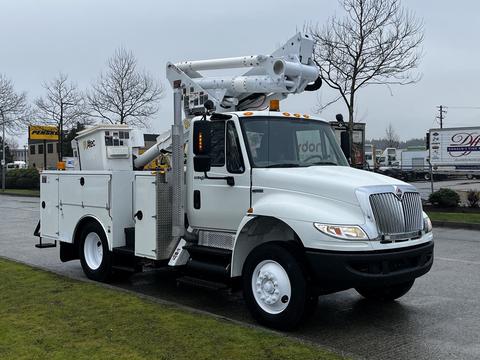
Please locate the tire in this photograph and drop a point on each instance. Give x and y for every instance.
(385, 293)
(274, 273)
(426, 176)
(470, 177)
(94, 255)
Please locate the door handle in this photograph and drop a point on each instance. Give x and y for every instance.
(257, 190)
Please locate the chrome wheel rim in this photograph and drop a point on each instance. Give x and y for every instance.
(271, 287)
(93, 251)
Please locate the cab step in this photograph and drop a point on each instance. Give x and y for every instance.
(208, 263)
(206, 252)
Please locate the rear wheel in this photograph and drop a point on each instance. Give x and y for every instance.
(275, 287)
(94, 254)
(387, 292)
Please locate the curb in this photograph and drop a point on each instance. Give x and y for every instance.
(456, 225)
(19, 195)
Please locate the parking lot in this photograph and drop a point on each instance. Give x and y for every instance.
(438, 319)
(460, 184)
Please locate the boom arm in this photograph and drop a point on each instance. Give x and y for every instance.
(288, 70)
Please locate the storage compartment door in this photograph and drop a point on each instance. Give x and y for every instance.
(49, 206)
(145, 228)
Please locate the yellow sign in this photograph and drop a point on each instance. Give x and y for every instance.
(42, 132)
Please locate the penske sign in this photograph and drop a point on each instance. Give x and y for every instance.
(42, 132)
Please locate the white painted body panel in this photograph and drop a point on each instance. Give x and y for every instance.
(105, 196)
(145, 229)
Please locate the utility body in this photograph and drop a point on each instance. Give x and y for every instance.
(257, 198)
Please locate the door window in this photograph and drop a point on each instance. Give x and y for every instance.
(235, 163)
(217, 152)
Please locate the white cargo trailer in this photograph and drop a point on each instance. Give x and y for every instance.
(414, 163)
(259, 200)
(455, 151)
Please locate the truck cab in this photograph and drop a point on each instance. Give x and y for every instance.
(280, 181)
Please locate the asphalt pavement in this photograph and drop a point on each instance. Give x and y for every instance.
(438, 319)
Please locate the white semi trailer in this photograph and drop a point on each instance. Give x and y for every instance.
(265, 200)
(455, 151)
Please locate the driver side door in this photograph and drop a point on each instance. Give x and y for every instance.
(215, 204)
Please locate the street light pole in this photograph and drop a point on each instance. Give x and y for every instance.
(3, 154)
(60, 133)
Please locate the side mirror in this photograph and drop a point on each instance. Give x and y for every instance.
(201, 163)
(202, 137)
(339, 118)
(202, 131)
(345, 143)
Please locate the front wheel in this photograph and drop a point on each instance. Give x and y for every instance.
(275, 287)
(387, 292)
(94, 254)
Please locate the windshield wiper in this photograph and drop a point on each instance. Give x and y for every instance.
(286, 165)
(323, 163)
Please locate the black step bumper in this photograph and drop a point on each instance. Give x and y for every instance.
(337, 270)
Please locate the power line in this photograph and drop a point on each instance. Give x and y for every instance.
(464, 107)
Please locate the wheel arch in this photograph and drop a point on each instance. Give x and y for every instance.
(259, 230)
(84, 220)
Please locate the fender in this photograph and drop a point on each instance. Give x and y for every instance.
(86, 218)
(289, 216)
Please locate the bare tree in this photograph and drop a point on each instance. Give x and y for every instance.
(62, 106)
(124, 94)
(12, 143)
(391, 136)
(14, 113)
(376, 42)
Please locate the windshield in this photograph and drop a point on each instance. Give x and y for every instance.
(290, 142)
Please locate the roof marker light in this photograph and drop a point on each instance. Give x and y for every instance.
(275, 105)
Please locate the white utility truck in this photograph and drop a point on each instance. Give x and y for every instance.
(455, 151)
(256, 198)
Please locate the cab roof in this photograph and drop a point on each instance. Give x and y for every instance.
(286, 114)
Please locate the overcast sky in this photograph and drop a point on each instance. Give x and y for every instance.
(38, 39)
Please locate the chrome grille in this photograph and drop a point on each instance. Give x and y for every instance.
(394, 216)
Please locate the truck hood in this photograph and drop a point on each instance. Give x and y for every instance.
(333, 182)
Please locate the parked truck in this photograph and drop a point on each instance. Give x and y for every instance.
(455, 151)
(414, 163)
(264, 201)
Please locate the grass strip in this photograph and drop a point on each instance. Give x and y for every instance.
(468, 218)
(23, 192)
(47, 316)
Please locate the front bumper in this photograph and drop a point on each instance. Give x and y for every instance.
(337, 270)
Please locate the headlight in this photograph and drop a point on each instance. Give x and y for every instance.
(348, 232)
(427, 223)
